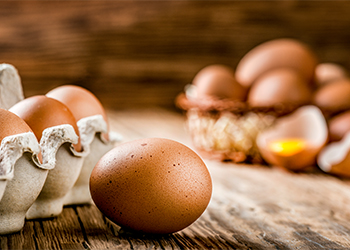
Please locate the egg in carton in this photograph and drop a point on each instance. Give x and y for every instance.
(22, 175)
(226, 110)
(96, 139)
(55, 127)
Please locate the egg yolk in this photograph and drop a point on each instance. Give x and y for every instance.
(287, 147)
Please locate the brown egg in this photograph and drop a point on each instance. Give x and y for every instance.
(81, 102)
(11, 124)
(275, 54)
(334, 97)
(328, 72)
(218, 81)
(41, 112)
(339, 125)
(279, 86)
(151, 185)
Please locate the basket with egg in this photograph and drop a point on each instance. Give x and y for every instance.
(275, 106)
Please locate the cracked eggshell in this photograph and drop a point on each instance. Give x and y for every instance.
(339, 125)
(335, 157)
(334, 97)
(55, 126)
(278, 53)
(279, 86)
(148, 180)
(218, 81)
(307, 124)
(11, 90)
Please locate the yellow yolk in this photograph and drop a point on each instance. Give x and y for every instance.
(287, 147)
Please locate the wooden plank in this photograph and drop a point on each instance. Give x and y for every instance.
(252, 207)
(137, 53)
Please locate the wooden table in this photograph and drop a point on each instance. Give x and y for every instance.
(252, 207)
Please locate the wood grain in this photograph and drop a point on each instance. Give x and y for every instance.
(137, 53)
(252, 207)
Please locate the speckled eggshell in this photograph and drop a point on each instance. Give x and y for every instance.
(274, 54)
(218, 81)
(151, 185)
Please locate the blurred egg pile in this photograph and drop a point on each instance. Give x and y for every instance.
(49, 146)
(280, 106)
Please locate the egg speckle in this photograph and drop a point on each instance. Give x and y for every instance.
(151, 185)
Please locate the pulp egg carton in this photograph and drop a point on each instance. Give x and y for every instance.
(39, 174)
(273, 84)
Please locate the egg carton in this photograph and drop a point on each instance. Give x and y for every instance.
(38, 178)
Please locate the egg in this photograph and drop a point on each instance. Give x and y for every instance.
(81, 102)
(22, 176)
(295, 140)
(279, 86)
(335, 157)
(10, 124)
(339, 125)
(334, 97)
(95, 137)
(41, 112)
(328, 72)
(274, 54)
(55, 127)
(151, 185)
(218, 81)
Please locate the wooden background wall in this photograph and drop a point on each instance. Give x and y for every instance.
(138, 53)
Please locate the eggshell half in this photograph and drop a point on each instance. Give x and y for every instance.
(218, 81)
(339, 125)
(306, 123)
(151, 185)
(275, 54)
(335, 157)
